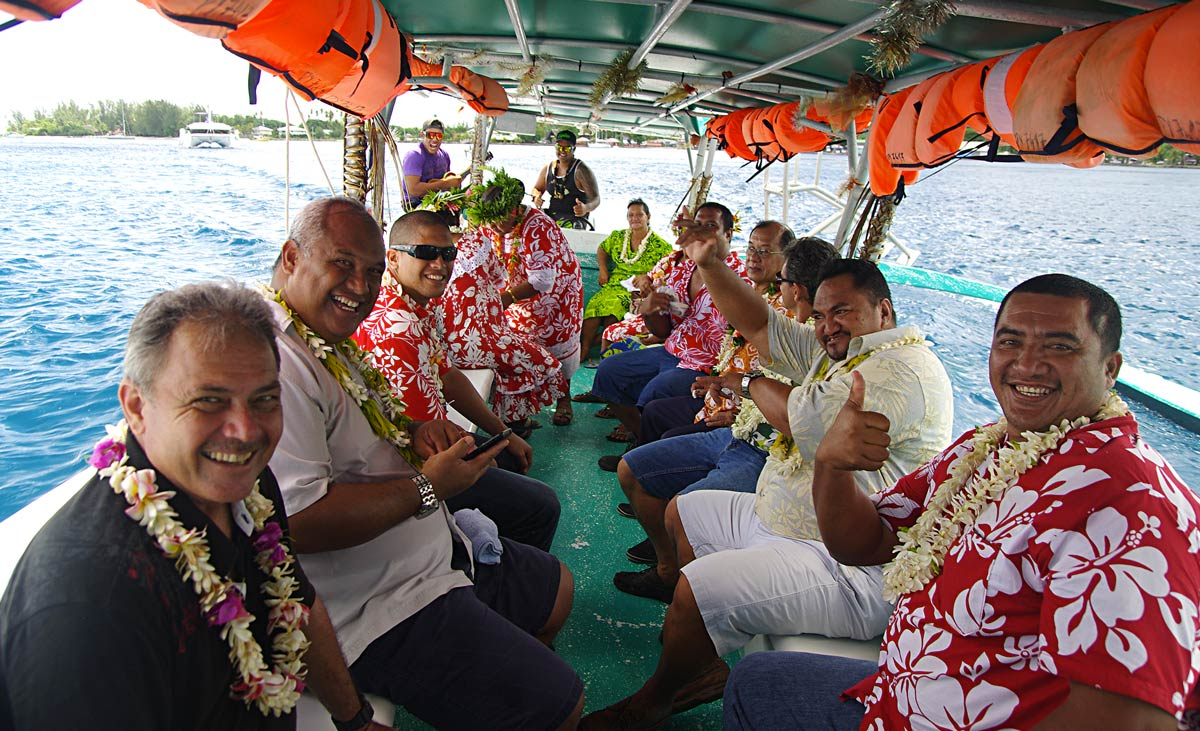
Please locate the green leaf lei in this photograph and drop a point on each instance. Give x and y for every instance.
(392, 427)
(480, 213)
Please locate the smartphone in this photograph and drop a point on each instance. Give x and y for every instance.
(481, 448)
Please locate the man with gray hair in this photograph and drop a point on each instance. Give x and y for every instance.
(165, 593)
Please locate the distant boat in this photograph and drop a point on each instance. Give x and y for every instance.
(207, 133)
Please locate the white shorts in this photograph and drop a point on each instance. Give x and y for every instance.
(749, 581)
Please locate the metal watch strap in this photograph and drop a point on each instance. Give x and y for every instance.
(747, 380)
(429, 501)
(360, 720)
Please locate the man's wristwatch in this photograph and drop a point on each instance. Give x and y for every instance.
(429, 501)
(747, 380)
(361, 719)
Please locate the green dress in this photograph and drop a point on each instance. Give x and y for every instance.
(613, 299)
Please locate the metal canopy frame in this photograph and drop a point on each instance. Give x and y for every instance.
(734, 53)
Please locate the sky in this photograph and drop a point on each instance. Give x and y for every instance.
(119, 49)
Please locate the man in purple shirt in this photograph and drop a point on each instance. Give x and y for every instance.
(427, 168)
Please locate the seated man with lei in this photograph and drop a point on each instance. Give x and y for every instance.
(479, 335)
(625, 254)
(714, 451)
(707, 406)
(543, 295)
(165, 594)
(680, 311)
(754, 563)
(459, 644)
(1045, 567)
(403, 335)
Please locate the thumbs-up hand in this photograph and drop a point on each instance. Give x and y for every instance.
(857, 439)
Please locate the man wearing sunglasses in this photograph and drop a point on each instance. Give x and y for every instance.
(573, 190)
(427, 168)
(404, 335)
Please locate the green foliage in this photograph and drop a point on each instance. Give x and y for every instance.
(156, 118)
(480, 213)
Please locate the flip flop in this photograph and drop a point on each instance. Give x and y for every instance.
(605, 413)
(586, 398)
(561, 418)
(619, 435)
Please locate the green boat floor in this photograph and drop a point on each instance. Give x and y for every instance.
(611, 638)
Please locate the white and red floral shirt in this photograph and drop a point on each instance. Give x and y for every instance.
(478, 335)
(697, 334)
(407, 346)
(538, 253)
(1086, 570)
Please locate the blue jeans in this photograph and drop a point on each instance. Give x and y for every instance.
(713, 460)
(640, 376)
(794, 690)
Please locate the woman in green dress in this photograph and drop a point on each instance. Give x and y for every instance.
(622, 255)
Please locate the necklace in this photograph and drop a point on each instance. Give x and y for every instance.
(734, 341)
(273, 690)
(784, 449)
(960, 498)
(388, 423)
(510, 259)
(630, 254)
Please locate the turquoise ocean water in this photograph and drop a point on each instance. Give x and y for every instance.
(90, 228)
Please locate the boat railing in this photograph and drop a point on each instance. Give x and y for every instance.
(790, 185)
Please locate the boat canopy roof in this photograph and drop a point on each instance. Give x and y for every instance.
(733, 54)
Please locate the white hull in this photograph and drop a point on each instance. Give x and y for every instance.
(205, 139)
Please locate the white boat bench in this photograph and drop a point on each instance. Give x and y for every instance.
(817, 644)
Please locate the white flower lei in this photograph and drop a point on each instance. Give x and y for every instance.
(629, 256)
(390, 423)
(784, 451)
(958, 501)
(273, 690)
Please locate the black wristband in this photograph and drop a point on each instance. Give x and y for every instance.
(360, 720)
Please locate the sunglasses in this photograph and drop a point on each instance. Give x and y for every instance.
(780, 279)
(434, 135)
(761, 252)
(428, 252)
(565, 147)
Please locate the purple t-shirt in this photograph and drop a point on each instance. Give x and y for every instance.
(427, 166)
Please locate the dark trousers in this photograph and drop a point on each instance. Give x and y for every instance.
(667, 414)
(524, 509)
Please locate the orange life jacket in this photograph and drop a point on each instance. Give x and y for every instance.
(37, 9)
(1114, 109)
(381, 67)
(208, 18)
(1000, 89)
(482, 93)
(885, 178)
(760, 135)
(901, 139)
(735, 139)
(1170, 78)
(311, 46)
(796, 138)
(1045, 118)
(952, 102)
